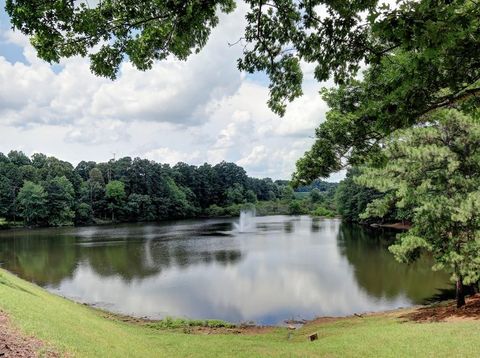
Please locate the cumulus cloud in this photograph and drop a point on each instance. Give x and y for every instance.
(257, 156)
(171, 156)
(200, 110)
(173, 91)
(108, 131)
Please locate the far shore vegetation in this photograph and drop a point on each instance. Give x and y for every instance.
(46, 191)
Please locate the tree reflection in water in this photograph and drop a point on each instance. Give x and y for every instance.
(377, 271)
(291, 266)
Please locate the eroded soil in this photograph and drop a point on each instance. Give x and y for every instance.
(14, 344)
(447, 312)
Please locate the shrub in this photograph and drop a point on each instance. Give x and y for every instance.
(321, 211)
(297, 207)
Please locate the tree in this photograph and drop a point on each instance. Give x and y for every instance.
(144, 32)
(96, 177)
(351, 199)
(10, 183)
(315, 196)
(39, 160)
(295, 207)
(434, 170)
(18, 158)
(83, 169)
(207, 189)
(399, 92)
(32, 200)
(28, 172)
(319, 184)
(142, 190)
(250, 196)
(287, 193)
(234, 194)
(270, 195)
(5, 196)
(176, 201)
(96, 191)
(335, 36)
(83, 214)
(60, 201)
(140, 208)
(115, 194)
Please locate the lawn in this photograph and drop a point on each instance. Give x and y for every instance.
(81, 331)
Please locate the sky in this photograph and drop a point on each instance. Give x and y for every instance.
(196, 111)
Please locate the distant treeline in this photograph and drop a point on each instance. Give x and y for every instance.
(46, 191)
(320, 185)
(352, 200)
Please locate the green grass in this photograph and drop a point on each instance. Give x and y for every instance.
(84, 332)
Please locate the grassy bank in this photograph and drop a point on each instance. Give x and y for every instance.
(84, 332)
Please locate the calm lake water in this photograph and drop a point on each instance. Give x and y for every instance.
(287, 267)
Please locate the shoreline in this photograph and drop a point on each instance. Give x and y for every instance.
(218, 325)
(7, 228)
(66, 328)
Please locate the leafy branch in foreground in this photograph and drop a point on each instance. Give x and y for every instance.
(440, 37)
(434, 170)
(143, 31)
(403, 91)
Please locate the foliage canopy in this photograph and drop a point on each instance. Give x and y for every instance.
(434, 171)
(46, 191)
(437, 40)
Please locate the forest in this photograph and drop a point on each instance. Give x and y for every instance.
(46, 191)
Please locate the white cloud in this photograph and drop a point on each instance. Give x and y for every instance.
(173, 91)
(257, 156)
(171, 156)
(200, 110)
(109, 131)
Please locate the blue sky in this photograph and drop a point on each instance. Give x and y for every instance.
(11, 52)
(201, 110)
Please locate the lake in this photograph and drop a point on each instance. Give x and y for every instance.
(285, 267)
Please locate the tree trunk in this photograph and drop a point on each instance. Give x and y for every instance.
(476, 287)
(460, 293)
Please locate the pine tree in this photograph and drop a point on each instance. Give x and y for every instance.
(435, 171)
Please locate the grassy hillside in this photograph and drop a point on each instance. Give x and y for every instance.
(85, 332)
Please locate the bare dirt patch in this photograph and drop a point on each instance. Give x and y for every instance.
(447, 312)
(245, 330)
(323, 320)
(14, 344)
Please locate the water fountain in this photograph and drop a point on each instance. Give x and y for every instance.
(246, 222)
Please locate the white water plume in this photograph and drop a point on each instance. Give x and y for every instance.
(246, 222)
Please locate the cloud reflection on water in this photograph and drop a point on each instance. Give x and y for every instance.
(291, 267)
